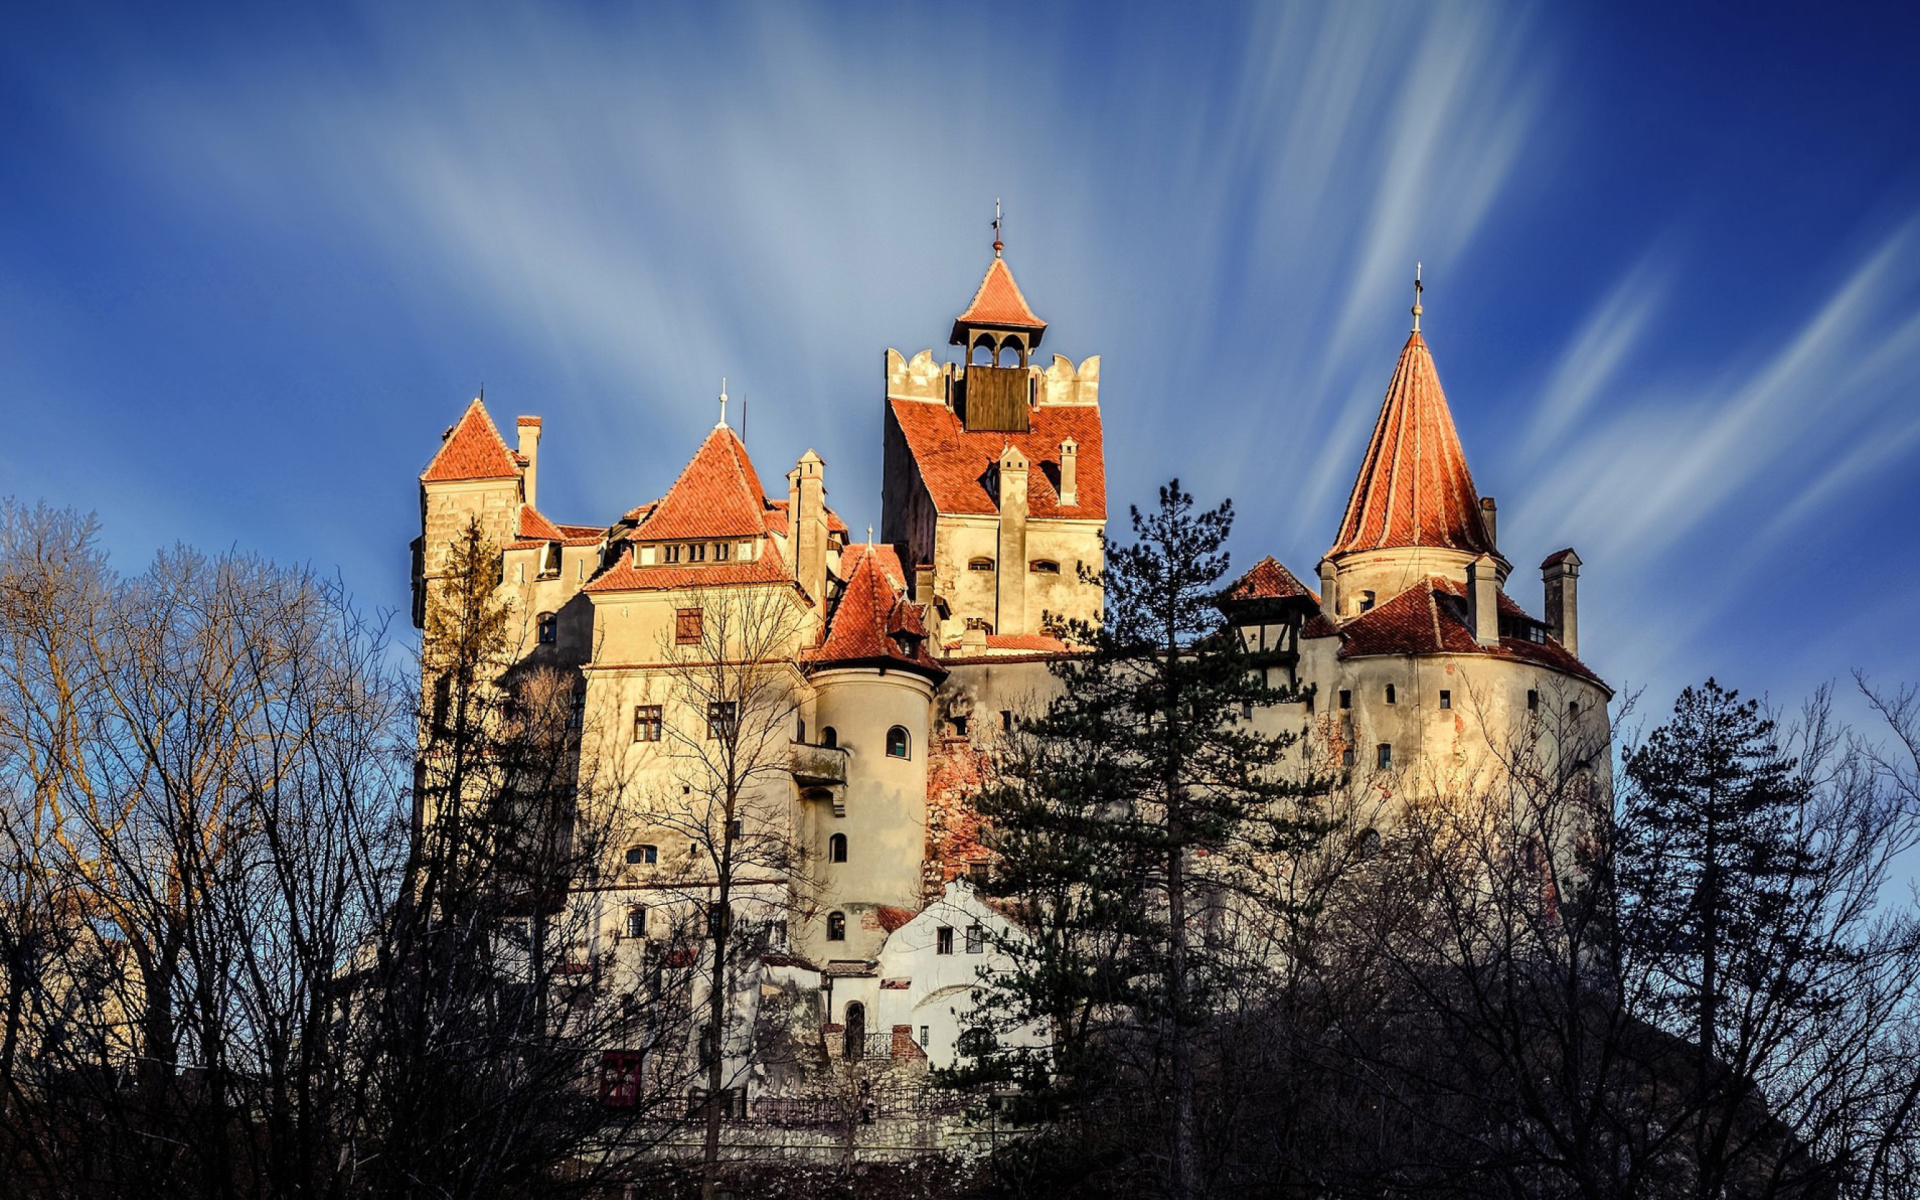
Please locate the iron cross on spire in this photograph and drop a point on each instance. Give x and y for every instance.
(1417, 289)
(998, 245)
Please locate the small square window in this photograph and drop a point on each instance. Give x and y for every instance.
(1573, 708)
(720, 720)
(1446, 698)
(688, 625)
(1346, 698)
(646, 723)
(943, 940)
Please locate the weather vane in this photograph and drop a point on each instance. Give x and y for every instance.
(1417, 289)
(998, 245)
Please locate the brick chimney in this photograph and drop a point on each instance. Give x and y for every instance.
(530, 450)
(1561, 575)
(1069, 452)
(807, 518)
(1329, 587)
(1483, 600)
(1011, 577)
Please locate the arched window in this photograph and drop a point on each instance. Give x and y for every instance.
(856, 1031)
(983, 343)
(829, 737)
(837, 848)
(897, 743)
(836, 927)
(1044, 566)
(1389, 693)
(980, 564)
(549, 626)
(643, 855)
(1367, 845)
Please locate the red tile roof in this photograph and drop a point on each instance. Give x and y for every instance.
(1041, 643)
(872, 610)
(627, 576)
(472, 449)
(1431, 618)
(535, 526)
(998, 303)
(777, 518)
(718, 495)
(1268, 580)
(1414, 488)
(954, 462)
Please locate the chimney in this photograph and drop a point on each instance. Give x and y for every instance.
(1069, 453)
(1561, 574)
(1011, 570)
(1483, 600)
(1329, 583)
(1490, 519)
(807, 522)
(923, 583)
(530, 450)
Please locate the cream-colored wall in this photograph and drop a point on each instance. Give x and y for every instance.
(959, 540)
(1389, 572)
(885, 804)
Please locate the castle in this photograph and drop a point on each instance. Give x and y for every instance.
(894, 661)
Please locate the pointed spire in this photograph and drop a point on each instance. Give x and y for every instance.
(1414, 488)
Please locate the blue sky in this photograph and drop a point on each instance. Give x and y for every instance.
(253, 260)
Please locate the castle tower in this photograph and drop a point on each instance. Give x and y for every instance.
(472, 477)
(994, 494)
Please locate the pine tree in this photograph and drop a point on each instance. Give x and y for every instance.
(1119, 818)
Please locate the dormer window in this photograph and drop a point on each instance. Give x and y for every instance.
(722, 551)
(1366, 601)
(550, 561)
(671, 554)
(697, 552)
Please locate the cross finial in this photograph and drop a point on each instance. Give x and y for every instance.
(722, 423)
(998, 245)
(1417, 289)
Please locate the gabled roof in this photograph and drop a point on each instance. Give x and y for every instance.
(472, 450)
(1268, 580)
(718, 495)
(873, 611)
(1414, 488)
(625, 575)
(954, 462)
(1431, 618)
(999, 304)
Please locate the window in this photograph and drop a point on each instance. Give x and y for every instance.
(722, 551)
(959, 727)
(720, 720)
(642, 856)
(687, 627)
(836, 927)
(1390, 694)
(1346, 698)
(829, 737)
(1347, 757)
(646, 723)
(733, 830)
(576, 710)
(976, 940)
(1533, 700)
(1367, 845)
(943, 940)
(709, 1045)
(672, 554)
(620, 1078)
(837, 848)
(1383, 755)
(978, 871)
(1366, 601)
(897, 744)
(925, 1040)
(637, 921)
(549, 626)
(979, 564)
(697, 552)
(800, 733)
(1042, 566)
(1446, 698)
(1006, 720)
(550, 561)
(1573, 708)
(716, 920)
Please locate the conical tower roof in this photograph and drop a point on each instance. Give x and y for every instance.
(998, 304)
(473, 449)
(1414, 488)
(718, 495)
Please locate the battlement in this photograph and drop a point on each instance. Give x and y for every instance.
(1060, 383)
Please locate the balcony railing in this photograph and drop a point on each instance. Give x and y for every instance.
(818, 766)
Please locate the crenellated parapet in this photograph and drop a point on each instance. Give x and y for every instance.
(1064, 383)
(919, 378)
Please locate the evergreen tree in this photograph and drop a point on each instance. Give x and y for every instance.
(1124, 815)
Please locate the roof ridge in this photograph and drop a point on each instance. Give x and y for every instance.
(999, 301)
(717, 494)
(472, 449)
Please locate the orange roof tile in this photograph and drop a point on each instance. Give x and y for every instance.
(954, 462)
(1431, 618)
(997, 303)
(535, 526)
(472, 449)
(1414, 488)
(1268, 580)
(628, 576)
(718, 495)
(870, 618)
